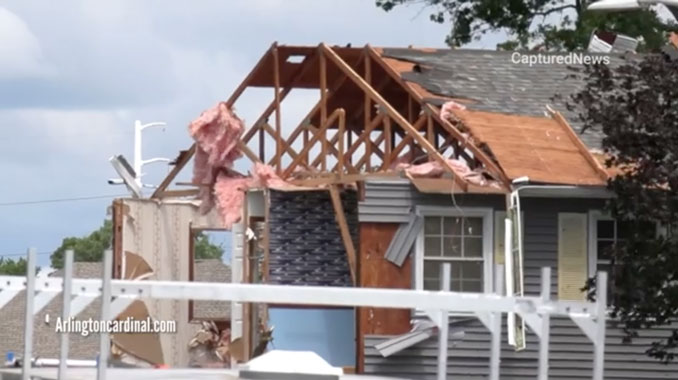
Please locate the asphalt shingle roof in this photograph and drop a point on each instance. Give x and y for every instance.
(498, 84)
(46, 342)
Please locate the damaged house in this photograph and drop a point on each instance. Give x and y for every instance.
(410, 158)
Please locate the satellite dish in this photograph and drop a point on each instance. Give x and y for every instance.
(127, 174)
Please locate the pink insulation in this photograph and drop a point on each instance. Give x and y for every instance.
(435, 169)
(217, 132)
(447, 111)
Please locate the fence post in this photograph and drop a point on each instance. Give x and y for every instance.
(443, 329)
(104, 341)
(28, 327)
(65, 311)
(544, 340)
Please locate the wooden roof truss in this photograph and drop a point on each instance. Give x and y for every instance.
(366, 119)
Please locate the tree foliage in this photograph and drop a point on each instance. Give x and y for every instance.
(636, 106)
(89, 248)
(11, 267)
(206, 250)
(555, 25)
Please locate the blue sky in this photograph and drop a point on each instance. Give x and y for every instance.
(74, 75)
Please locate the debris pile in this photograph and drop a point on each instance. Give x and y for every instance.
(210, 348)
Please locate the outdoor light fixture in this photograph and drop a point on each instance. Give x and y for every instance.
(128, 175)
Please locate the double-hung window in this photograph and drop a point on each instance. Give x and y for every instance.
(604, 233)
(461, 237)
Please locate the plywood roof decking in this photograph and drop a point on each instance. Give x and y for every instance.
(537, 147)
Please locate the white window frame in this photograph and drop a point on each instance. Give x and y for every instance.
(594, 217)
(487, 214)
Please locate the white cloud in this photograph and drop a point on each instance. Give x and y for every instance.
(20, 52)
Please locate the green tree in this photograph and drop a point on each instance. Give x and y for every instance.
(13, 267)
(555, 25)
(206, 250)
(89, 248)
(636, 107)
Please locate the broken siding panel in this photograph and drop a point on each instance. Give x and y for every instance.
(386, 202)
(403, 241)
(570, 356)
(160, 234)
(305, 243)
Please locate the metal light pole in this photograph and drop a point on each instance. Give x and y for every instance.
(138, 162)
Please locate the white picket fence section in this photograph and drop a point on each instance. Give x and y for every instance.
(118, 294)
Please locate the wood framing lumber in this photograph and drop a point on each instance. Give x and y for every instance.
(184, 157)
(278, 126)
(343, 228)
(179, 193)
(397, 117)
(303, 69)
(446, 125)
(578, 143)
(338, 113)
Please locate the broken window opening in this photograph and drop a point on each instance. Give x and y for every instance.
(210, 261)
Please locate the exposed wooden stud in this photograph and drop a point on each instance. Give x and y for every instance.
(323, 108)
(595, 164)
(262, 143)
(340, 158)
(388, 140)
(286, 147)
(248, 152)
(345, 233)
(397, 117)
(347, 179)
(179, 193)
(447, 126)
(365, 135)
(367, 110)
(338, 113)
(408, 138)
(430, 132)
(303, 69)
(278, 126)
(184, 157)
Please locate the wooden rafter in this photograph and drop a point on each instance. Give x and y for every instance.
(446, 125)
(395, 115)
(184, 157)
(338, 115)
(345, 233)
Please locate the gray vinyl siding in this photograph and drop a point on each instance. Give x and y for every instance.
(571, 352)
(386, 201)
(570, 356)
